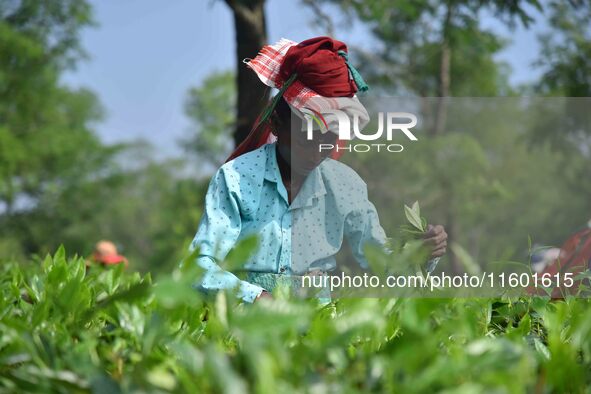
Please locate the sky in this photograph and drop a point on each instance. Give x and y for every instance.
(144, 55)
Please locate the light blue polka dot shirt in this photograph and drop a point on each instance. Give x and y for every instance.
(246, 195)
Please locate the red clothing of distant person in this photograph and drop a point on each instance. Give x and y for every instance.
(575, 258)
(105, 252)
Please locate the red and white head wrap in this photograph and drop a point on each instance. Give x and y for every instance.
(314, 75)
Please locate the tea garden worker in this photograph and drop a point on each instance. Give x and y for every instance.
(277, 185)
(105, 253)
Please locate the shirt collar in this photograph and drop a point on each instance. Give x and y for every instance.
(271, 167)
(313, 185)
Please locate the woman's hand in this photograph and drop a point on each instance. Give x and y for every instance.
(436, 238)
(264, 294)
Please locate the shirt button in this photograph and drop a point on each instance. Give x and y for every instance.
(282, 269)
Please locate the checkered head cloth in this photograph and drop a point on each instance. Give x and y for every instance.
(314, 75)
(267, 65)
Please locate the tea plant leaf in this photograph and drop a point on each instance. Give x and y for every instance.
(63, 329)
(413, 216)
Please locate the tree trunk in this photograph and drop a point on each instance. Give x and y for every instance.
(444, 75)
(251, 35)
(452, 231)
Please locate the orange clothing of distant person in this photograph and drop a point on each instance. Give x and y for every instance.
(105, 252)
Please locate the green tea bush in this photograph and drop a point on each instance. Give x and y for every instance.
(66, 329)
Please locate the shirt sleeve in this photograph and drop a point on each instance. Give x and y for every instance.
(432, 264)
(218, 231)
(362, 226)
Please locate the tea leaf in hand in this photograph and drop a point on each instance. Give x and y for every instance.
(413, 215)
